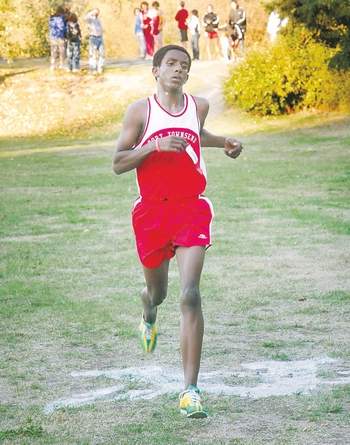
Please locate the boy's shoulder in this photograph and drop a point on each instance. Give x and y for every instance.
(139, 105)
(201, 102)
(138, 110)
(202, 107)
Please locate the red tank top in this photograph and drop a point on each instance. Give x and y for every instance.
(172, 175)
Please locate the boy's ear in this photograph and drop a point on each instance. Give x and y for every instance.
(155, 71)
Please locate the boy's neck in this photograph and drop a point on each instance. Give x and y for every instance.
(173, 101)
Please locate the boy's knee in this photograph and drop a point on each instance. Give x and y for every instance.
(190, 297)
(157, 296)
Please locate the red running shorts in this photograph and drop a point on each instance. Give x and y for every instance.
(161, 226)
(212, 35)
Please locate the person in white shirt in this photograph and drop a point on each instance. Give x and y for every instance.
(274, 24)
(96, 46)
(193, 24)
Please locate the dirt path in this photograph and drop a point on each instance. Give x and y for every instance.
(37, 102)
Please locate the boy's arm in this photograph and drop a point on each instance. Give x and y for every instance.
(89, 16)
(126, 157)
(231, 146)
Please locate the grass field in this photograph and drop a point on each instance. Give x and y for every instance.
(276, 286)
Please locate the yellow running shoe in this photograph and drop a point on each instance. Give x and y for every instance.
(148, 335)
(191, 404)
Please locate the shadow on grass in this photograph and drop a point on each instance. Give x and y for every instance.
(3, 77)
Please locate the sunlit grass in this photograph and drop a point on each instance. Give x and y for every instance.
(275, 286)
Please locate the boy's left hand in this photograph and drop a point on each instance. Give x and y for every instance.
(232, 148)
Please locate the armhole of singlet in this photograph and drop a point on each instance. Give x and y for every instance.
(198, 121)
(146, 125)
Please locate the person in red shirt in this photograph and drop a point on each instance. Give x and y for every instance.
(147, 30)
(157, 17)
(181, 18)
(161, 139)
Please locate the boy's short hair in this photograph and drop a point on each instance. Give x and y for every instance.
(159, 55)
(155, 4)
(182, 4)
(195, 12)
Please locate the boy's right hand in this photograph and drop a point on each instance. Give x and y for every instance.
(172, 143)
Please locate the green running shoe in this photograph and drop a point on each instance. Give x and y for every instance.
(191, 403)
(148, 335)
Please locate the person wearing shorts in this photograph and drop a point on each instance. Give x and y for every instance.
(181, 18)
(161, 138)
(211, 25)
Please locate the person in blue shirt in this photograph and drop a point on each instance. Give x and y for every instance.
(138, 30)
(57, 34)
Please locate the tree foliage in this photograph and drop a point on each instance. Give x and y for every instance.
(329, 21)
(291, 75)
(23, 28)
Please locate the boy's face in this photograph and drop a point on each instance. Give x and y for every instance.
(173, 71)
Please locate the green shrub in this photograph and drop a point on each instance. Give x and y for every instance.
(290, 75)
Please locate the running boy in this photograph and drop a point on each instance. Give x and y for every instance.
(161, 138)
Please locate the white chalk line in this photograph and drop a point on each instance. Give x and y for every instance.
(269, 378)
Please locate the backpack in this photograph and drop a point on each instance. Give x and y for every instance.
(57, 27)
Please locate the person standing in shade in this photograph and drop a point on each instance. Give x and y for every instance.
(73, 43)
(181, 18)
(96, 45)
(211, 25)
(138, 30)
(194, 28)
(57, 34)
(147, 30)
(161, 140)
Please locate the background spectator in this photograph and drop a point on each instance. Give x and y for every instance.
(96, 46)
(158, 21)
(194, 28)
(181, 18)
(73, 43)
(57, 33)
(237, 17)
(274, 24)
(138, 30)
(211, 24)
(147, 30)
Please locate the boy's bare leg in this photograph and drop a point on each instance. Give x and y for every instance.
(190, 261)
(155, 291)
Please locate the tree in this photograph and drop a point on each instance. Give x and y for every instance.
(329, 21)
